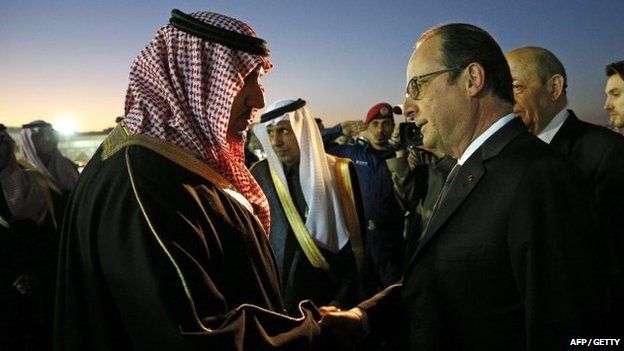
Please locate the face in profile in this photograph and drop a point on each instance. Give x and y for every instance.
(439, 109)
(614, 104)
(45, 141)
(248, 100)
(530, 92)
(284, 142)
(379, 131)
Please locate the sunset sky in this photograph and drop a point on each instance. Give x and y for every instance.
(69, 59)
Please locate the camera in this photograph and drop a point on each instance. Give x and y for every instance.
(409, 133)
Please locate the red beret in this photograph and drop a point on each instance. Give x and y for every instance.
(381, 110)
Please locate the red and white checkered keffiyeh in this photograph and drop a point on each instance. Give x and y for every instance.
(181, 90)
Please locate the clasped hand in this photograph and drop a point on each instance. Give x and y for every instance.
(345, 325)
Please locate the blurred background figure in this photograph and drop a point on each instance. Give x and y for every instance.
(316, 209)
(40, 148)
(28, 248)
(615, 95)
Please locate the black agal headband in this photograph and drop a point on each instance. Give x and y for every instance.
(37, 124)
(293, 106)
(234, 40)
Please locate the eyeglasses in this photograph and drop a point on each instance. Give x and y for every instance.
(413, 86)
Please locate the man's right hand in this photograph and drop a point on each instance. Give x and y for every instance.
(352, 128)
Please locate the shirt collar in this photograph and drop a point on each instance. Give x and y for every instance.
(548, 133)
(483, 137)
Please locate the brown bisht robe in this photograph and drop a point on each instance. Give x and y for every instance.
(154, 256)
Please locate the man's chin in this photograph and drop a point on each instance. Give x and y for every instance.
(616, 120)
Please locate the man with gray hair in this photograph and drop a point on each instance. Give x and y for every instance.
(539, 83)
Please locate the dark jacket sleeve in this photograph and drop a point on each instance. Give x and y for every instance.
(385, 310)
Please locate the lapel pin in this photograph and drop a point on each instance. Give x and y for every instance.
(470, 177)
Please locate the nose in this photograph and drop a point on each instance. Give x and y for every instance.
(608, 106)
(410, 108)
(255, 99)
(276, 139)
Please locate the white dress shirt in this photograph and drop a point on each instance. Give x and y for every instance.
(553, 127)
(483, 137)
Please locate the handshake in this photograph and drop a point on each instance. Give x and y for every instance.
(347, 327)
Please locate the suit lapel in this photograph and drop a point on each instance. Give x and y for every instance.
(466, 181)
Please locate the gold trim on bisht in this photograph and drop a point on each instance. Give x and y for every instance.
(120, 138)
(311, 251)
(185, 287)
(349, 209)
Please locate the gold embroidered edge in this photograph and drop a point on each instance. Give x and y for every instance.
(308, 246)
(187, 291)
(120, 138)
(349, 209)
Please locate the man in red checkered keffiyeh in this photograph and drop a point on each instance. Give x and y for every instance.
(182, 90)
(164, 240)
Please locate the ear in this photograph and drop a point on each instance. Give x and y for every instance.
(555, 86)
(476, 79)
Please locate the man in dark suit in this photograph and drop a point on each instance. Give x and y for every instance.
(539, 81)
(507, 260)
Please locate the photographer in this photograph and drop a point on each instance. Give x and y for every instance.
(417, 178)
